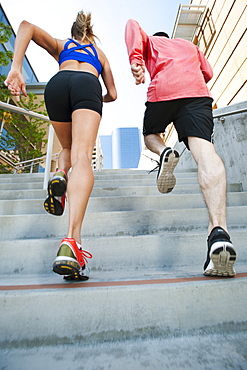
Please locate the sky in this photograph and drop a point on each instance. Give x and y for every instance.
(109, 19)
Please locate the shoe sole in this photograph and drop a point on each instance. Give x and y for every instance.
(222, 261)
(70, 269)
(166, 179)
(56, 188)
(53, 206)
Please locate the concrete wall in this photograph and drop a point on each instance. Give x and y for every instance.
(230, 144)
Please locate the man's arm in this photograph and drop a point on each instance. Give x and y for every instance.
(136, 41)
(205, 67)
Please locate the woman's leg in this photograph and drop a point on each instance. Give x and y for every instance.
(57, 185)
(63, 131)
(85, 124)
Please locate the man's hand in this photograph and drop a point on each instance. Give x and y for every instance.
(138, 72)
(16, 84)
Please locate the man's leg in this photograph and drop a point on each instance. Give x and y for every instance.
(212, 180)
(168, 161)
(154, 143)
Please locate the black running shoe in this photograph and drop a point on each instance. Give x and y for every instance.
(55, 201)
(221, 254)
(165, 178)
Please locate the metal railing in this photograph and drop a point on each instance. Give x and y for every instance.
(231, 113)
(49, 156)
(14, 109)
(18, 167)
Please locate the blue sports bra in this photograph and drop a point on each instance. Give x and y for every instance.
(73, 54)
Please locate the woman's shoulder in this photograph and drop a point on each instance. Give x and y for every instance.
(61, 43)
(100, 52)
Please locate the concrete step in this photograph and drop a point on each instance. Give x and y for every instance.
(115, 223)
(146, 274)
(109, 278)
(199, 350)
(122, 203)
(14, 184)
(55, 313)
(145, 181)
(99, 176)
(39, 193)
(119, 254)
(9, 179)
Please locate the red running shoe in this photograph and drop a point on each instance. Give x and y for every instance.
(71, 260)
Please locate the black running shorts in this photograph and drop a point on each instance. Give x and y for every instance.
(71, 90)
(190, 116)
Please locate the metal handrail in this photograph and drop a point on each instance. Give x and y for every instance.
(238, 111)
(49, 155)
(13, 108)
(32, 162)
(20, 165)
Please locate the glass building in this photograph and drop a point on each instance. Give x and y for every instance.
(27, 70)
(106, 147)
(126, 147)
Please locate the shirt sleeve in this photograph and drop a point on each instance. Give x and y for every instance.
(205, 67)
(136, 41)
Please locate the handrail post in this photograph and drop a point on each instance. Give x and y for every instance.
(48, 156)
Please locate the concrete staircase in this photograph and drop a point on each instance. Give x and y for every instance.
(146, 294)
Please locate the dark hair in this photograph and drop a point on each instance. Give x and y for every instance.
(161, 34)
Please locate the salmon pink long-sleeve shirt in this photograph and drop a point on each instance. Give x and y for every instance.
(177, 68)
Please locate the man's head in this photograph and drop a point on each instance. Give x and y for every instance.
(161, 34)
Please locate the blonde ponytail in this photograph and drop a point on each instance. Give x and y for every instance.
(82, 28)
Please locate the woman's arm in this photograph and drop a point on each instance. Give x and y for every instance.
(27, 32)
(108, 80)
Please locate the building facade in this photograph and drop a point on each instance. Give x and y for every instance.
(218, 27)
(106, 147)
(30, 77)
(27, 69)
(126, 147)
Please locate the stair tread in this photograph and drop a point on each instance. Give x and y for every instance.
(126, 277)
(147, 270)
(210, 349)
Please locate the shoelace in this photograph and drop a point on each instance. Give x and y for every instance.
(153, 160)
(84, 255)
(155, 168)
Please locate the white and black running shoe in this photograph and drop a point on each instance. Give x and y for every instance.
(221, 254)
(165, 178)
